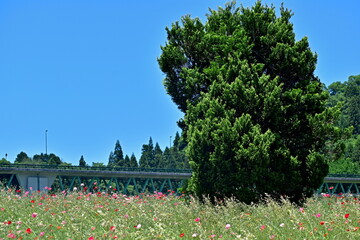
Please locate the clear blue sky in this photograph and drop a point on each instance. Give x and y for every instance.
(86, 71)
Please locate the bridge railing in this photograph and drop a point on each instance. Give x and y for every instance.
(45, 166)
(336, 175)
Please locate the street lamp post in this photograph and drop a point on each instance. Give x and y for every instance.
(46, 142)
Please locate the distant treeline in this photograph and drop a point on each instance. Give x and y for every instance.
(151, 157)
(347, 94)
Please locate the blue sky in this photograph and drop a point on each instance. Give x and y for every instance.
(86, 71)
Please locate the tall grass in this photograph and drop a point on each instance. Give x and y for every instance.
(79, 215)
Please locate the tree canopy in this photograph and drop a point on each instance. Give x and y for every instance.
(347, 94)
(255, 114)
(116, 158)
(82, 162)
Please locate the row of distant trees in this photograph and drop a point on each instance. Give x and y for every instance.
(151, 157)
(23, 158)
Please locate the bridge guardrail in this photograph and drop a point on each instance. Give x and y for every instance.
(71, 167)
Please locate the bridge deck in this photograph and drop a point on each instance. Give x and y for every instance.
(141, 178)
(95, 173)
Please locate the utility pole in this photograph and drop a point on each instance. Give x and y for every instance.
(46, 142)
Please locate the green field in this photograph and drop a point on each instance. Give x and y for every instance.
(80, 215)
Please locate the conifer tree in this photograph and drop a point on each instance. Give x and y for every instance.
(82, 162)
(147, 155)
(118, 154)
(255, 116)
(168, 159)
(178, 152)
(158, 156)
(133, 161)
(176, 141)
(126, 161)
(111, 162)
(116, 158)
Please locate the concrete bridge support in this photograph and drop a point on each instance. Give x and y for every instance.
(36, 182)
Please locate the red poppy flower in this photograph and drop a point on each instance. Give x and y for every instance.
(346, 215)
(28, 231)
(9, 222)
(322, 223)
(182, 234)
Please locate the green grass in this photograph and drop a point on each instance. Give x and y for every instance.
(109, 216)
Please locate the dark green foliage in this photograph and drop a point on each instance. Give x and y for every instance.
(147, 159)
(255, 116)
(116, 158)
(347, 93)
(98, 164)
(82, 162)
(178, 152)
(133, 161)
(50, 159)
(352, 94)
(111, 161)
(172, 158)
(22, 157)
(4, 177)
(168, 160)
(126, 161)
(354, 149)
(4, 161)
(347, 96)
(349, 158)
(158, 156)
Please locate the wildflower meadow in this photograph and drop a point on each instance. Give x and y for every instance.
(83, 215)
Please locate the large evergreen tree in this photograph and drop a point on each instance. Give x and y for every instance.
(178, 152)
(82, 162)
(133, 161)
(147, 155)
(255, 116)
(116, 158)
(158, 156)
(126, 161)
(169, 159)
